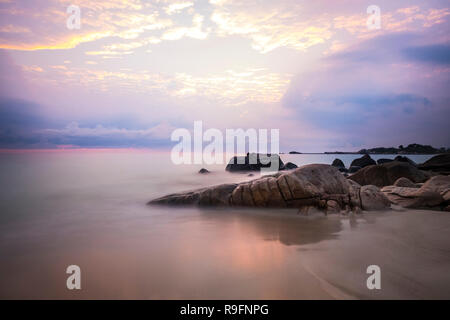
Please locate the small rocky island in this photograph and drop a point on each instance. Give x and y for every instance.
(324, 187)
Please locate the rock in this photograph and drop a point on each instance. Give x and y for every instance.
(354, 191)
(381, 161)
(373, 199)
(203, 171)
(353, 169)
(317, 186)
(290, 166)
(252, 162)
(364, 161)
(387, 173)
(294, 152)
(405, 182)
(250, 175)
(405, 159)
(333, 207)
(439, 164)
(339, 164)
(446, 195)
(433, 194)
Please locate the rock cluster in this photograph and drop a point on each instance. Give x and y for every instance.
(434, 194)
(252, 162)
(324, 187)
(439, 164)
(317, 186)
(387, 173)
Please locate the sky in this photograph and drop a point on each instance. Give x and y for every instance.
(136, 70)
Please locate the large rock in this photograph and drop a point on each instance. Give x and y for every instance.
(353, 169)
(253, 162)
(317, 185)
(433, 194)
(362, 162)
(339, 165)
(387, 173)
(439, 164)
(373, 199)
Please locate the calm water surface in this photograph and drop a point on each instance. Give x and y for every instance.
(89, 208)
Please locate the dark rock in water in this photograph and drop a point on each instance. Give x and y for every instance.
(317, 186)
(405, 159)
(353, 169)
(290, 166)
(203, 171)
(294, 152)
(339, 165)
(439, 164)
(381, 161)
(250, 175)
(362, 162)
(253, 162)
(387, 173)
(435, 194)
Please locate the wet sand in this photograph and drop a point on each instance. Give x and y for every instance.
(236, 255)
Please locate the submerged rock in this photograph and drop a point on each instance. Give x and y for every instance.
(203, 171)
(435, 193)
(362, 162)
(387, 173)
(317, 186)
(252, 162)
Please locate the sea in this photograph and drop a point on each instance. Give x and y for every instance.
(88, 208)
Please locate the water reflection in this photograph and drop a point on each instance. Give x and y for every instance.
(285, 226)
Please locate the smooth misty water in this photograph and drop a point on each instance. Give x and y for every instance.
(89, 208)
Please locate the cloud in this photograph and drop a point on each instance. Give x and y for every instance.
(272, 29)
(42, 26)
(435, 54)
(24, 124)
(372, 90)
(196, 31)
(101, 136)
(178, 7)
